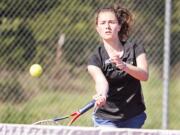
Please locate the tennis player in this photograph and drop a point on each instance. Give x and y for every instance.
(117, 66)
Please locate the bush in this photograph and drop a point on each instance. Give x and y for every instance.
(11, 91)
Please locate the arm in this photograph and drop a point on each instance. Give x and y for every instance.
(139, 72)
(101, 84)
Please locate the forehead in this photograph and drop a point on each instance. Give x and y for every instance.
(106, 15)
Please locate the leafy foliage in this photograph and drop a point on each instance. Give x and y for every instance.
(30, 29)
(11, 91)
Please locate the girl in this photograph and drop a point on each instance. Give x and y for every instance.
(117, 66)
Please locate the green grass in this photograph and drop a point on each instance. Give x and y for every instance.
(50, 97)
(174, 96)
(43, 106)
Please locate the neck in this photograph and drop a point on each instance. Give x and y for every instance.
(115, 45)
(113, 48)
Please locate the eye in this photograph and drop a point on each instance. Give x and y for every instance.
(102, 22)
(113, 22)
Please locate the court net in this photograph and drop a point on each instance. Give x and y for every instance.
(18, 129)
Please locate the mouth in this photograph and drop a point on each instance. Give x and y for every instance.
(108, 32)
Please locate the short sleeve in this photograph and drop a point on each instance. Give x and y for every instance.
(139, 49)
(94, 59)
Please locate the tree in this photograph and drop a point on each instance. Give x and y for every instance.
(18, 43)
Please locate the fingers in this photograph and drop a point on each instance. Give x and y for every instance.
(116, 59)
(118, 62)
(100, 100)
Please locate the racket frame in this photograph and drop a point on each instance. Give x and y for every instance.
(74, 115)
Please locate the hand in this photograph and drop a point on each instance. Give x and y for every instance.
(118, 62)
(100, 100)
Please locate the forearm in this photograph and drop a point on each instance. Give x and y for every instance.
(101, 94)
(136, 72)
(102, 88)
(101, 85)
(140, 71)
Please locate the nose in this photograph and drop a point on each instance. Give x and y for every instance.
(107, 26)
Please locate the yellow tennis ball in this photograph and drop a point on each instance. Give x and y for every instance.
(36, 70)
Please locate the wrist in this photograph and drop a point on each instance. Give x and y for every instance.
(124, 66)
(99, 96)
(103, 95)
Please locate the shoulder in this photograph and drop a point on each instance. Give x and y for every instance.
(98, 49)
(132, 46)
(95, 57)
(96, 52)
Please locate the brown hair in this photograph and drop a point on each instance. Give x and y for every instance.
(124, 17)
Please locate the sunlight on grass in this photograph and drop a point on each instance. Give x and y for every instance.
(49, 98)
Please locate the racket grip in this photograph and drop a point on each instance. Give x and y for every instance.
(87, 107)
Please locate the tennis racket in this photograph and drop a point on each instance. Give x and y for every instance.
(75, 115)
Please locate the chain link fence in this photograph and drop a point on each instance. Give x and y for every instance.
(60, 35)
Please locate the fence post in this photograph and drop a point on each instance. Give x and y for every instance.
(166, 65)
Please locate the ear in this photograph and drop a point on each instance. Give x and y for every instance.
(97, 29)
(119, 28)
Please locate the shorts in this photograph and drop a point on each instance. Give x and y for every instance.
(134, 122)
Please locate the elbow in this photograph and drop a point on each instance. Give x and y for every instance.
(145, 77)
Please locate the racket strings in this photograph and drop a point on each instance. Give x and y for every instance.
(46, 122)
(74, 115)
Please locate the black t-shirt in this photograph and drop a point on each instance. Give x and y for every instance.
(123, 88)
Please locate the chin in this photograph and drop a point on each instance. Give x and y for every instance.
(107, 38)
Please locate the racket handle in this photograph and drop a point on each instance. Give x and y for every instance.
(87, 107)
